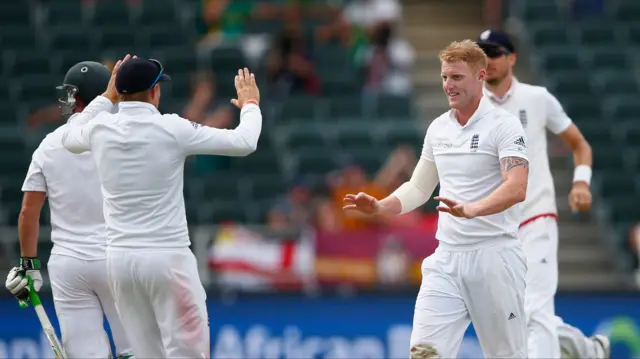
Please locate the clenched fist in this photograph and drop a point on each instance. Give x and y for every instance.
(246, 88)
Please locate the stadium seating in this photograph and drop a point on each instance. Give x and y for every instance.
(589, 64)
(302, 135)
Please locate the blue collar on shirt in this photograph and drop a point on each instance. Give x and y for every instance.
(136, 105)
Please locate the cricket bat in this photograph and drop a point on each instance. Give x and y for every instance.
(48, 329)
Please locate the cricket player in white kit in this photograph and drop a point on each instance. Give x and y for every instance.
(140, 156)
(478, 154)
(539, 111)
(77, 266)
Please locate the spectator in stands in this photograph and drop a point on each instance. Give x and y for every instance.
(289, 67)
(634, 239)
(387, 63)
(296, 209)
(206, 108)
(352, 178)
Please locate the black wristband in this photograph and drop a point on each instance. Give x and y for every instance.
(30, 263)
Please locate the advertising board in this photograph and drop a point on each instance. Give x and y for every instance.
(296, 327)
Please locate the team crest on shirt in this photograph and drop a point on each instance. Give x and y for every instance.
(523, 118)
(474, 142)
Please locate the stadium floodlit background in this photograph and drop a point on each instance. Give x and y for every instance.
(348, 89)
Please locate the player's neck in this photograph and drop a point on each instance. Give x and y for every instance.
(464, 114)
(500, 89)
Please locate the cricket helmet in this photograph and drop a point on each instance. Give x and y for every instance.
(85, 80)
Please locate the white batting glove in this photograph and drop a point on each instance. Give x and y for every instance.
(17, 282)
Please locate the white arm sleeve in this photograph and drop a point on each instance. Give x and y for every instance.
(77, 139)
(99, 104)
(419, 188)
(204, 140)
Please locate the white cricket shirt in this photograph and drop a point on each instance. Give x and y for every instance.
(140, 156)
(73, 190)
(537, 110)
(468, 162)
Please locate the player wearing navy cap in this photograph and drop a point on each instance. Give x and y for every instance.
(539, 111)
(140, 155)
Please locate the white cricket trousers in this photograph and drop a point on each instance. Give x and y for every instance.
(484, 287)
(81, 295)
(540, 244)
(161, 302)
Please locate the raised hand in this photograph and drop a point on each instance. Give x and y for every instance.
(246, 88)
(111, 93)
(362, 203)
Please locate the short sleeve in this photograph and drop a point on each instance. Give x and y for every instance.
(510, 138)
(427, 150)
(35, 181)
(557, 119)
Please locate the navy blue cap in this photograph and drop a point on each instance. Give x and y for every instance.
(496, 38)
(137, 75)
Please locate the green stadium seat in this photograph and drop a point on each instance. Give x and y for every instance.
(626, 111)
(559, 60)
(628, 12)
(66, 59)
(355, 137)
(161, 12)
(111, 13)
(31, 62)
(216, 187)
(580, 106)
(600, 33)
(552, 34)
(633, 35)
(315, 163)
(225, 59)
(9, 112)
(346, 106)
(15, 13)
(267, 188)
(38, 87)
(537, 11)
(596, 134)
(370, 159)
(11, 191)
(632, 135)
(67, 37)
(570, 84)
(330, 56)
(64, 12)
(18, 37)
(177, 60)
(389, 106)
(616, 185)
(616, 82)
(624, 209)
(298, 107)
(608, 58)
(608, 159)
(165, 36)
(304, 136)
(341, 83)
(261, 161)
(118, 38)
(404, 135)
